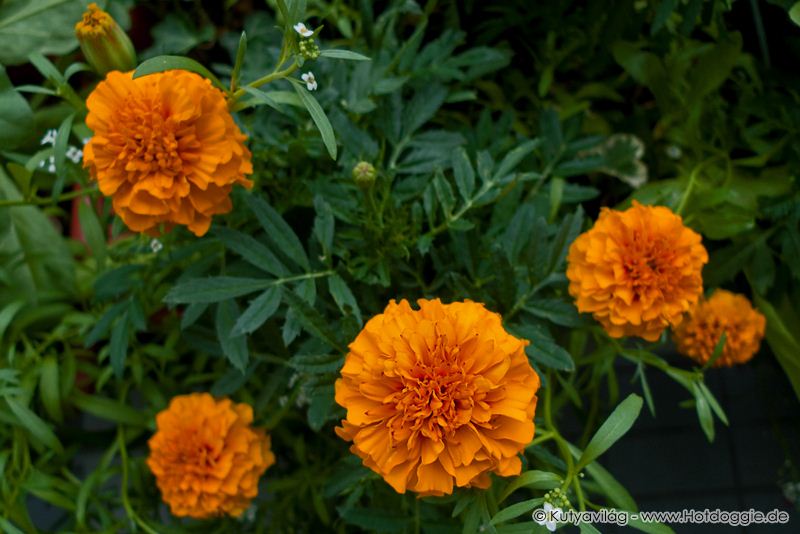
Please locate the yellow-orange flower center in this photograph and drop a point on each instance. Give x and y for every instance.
(437, 397)
(95, 21)
(148, 134)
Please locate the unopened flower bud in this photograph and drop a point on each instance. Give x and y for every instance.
(104, 44)
(364, 174)
(309, 48)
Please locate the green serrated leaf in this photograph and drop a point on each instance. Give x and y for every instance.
(258, 312)
(543, 349)
(278, 231)
(464, 173)
(343, 297)
(313, 321)
(207, 290)
(233, 346)
(252, 250)
(118, 346)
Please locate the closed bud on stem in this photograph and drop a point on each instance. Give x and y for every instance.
(364, 174)
(104, 44)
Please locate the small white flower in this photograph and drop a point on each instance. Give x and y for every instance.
(76, 155)
(49, 137)
(250, 514)
(302, 30)
(550, 517)
(156, 246)
(311, 82)
(50, 163)
(674, 152)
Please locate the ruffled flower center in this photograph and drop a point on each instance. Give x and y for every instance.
(437, 397)
(148, 136)
(648, 262)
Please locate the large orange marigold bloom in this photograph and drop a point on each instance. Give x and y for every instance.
(206, 457)
(727, 312)
(165, 148)
(637, 271)
(437, 397)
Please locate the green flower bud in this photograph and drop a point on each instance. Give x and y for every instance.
(364, 174)
(309, 48)
(104, 44)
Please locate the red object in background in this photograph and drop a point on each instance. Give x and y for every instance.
(75, 230)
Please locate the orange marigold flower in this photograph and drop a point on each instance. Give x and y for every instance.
(438, 396)
(206, 457)
(165, 148)
(727, 312)
(637, 271)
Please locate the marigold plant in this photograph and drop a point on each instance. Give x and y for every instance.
(723, 312)
(165, 148)
(363, 151)
(206, 457)
(637, 271)
(437, 397)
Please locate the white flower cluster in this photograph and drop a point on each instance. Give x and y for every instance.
(308, 77)
(73, 154)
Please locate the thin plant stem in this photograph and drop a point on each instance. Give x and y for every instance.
(47, 201)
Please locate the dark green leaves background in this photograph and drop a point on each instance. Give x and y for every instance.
(497, 131)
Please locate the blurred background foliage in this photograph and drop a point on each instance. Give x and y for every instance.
(497, 129)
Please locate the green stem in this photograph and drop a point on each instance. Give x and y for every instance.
(563, 447)
(275, 75)
(688, 191)
(692, 180)
(319, 274)
(66, 92)
(47, 201)
(549, 279)
(545, 175)
(541, 438)
(123, 453)
(460, 213)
